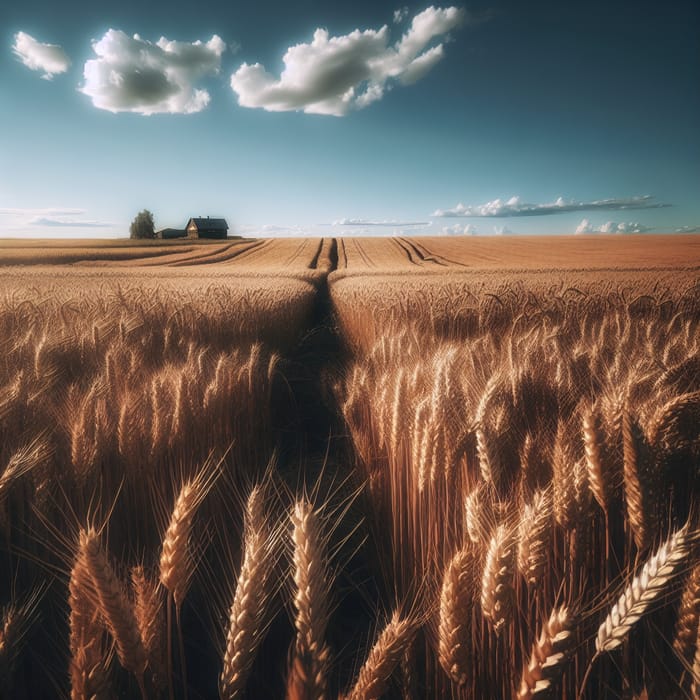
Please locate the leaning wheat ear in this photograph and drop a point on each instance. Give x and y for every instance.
(249, 607)
(454, 629)
(643, 590)
(386, 654)
(89, 665)
(309, 670)
(114, 606)
(548, 655)
(176, 562)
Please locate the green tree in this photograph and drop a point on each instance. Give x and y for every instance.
(142, 225)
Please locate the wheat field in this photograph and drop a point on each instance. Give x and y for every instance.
(350, 468)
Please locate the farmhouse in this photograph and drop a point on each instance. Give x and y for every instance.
(207, 228)
(197, 228)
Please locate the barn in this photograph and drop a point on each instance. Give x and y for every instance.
(207, 228)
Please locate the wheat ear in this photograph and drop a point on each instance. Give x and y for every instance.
(150, 618)
(598, 476)
(88, 662)
(176, 562)
(497, 580)
(548, 655)
(309, 670)
(386, 654)
(643, 590)
(114, 606)
(639, 509)
(686, 640)
(454, 629)
(534, 536)
(248, 610)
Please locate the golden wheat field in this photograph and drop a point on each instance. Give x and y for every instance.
(350, 468)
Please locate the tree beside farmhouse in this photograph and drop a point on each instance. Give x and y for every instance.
(142, 225)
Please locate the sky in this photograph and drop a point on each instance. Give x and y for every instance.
(354, 118)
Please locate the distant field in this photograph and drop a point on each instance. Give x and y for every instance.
(362, 255)
(460, 468)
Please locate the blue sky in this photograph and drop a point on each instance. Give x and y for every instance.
(363, 117)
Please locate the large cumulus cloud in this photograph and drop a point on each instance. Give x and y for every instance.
(334, 75)
(131, 74)
(37, 56)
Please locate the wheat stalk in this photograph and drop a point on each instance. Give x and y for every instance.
(386, 654)
(548, 655)
(454, 629)
(312, 656)
(248, 610)
(643, 590)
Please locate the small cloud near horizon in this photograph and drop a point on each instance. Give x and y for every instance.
(688, 229)
(37, 56)
(459, 230)
(334, 75)
(516, 207)
(131, 74)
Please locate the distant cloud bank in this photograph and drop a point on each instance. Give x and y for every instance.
(516, 207)
(334, 75)
(611, 227)
(131, 74)
(49, 58)
(387, 222)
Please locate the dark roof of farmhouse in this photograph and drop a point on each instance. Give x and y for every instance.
(207, 223)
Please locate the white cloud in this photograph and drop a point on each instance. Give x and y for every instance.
(386, 222)
(49, 58)
(400, 14)
(459, 230)
(502, 231)
(515, 207)
(131, 74)
(335, 75)
(50, 211)
(70, 223)
(611, 227)
(688, 229)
